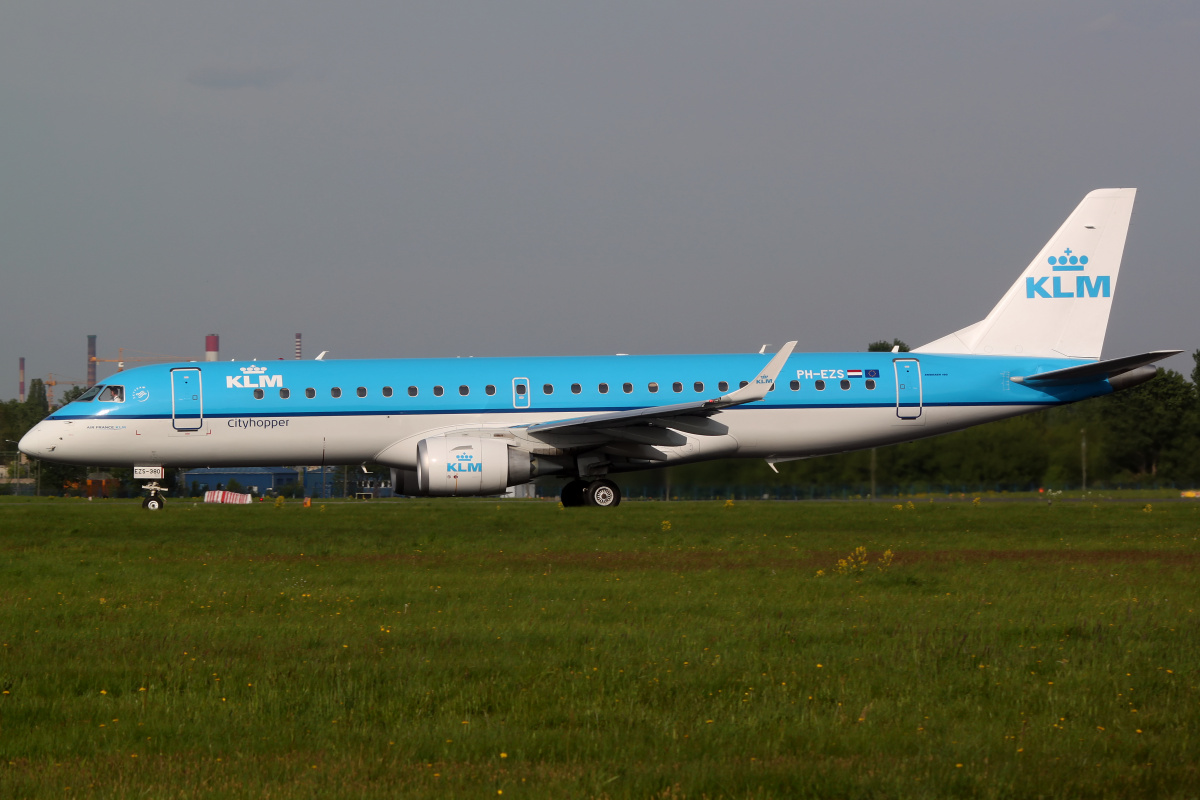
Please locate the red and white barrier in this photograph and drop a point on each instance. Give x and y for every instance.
(227, 497)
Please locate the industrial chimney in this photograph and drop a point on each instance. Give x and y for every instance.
(22, 379)
(297, 347)
(91, 367)
(212, 347)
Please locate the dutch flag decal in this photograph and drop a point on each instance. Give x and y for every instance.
(854, 373)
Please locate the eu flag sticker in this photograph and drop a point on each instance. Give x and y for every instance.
(872, 373)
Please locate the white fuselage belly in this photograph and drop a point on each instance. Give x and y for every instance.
(351, 439)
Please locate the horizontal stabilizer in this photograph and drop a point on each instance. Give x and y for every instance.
(1096, 370)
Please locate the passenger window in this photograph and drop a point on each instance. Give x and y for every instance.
(258, 394)
(627, 388)
(795, 386)
(603, 388)
(547, 388)
(310, 393)
(284, 394)
(387, 391)
(653, 387)
(576, 388)
(489, 390)
(772, 388)
(820, 386)
(464, 390)
(520, 388)
(743, 384)
(723, 386)
(699, 386)
(362, 391)
(870, 383)
(676, 387)
(845, 385)
(412, 391)
(438, 391)
(335, 392)
(113, 394)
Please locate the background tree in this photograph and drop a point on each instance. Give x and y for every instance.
(1196, 370)
(36, 404)
(71, 394)
(1151, 426)
(884, 346)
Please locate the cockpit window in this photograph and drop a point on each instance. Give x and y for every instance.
(112, 394)
(89, 395)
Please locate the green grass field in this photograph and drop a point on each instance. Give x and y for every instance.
(666, 650)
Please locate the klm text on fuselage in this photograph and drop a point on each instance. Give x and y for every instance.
(261, 382)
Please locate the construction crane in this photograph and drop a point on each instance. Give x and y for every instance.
(144, 357)
(52, 381)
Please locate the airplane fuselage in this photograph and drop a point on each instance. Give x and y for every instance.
(354, 411)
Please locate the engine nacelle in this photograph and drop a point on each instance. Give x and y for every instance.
(454, 466)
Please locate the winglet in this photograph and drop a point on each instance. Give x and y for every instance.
(756, 389)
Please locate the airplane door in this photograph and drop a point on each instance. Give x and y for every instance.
(187, 401)
(520, 393)
(908, 388)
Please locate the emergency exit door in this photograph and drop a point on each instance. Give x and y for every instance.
(908, 388)
(520, 392)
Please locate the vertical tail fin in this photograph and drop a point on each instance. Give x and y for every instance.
(1059, 306)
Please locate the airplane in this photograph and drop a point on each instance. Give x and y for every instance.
(476, 426)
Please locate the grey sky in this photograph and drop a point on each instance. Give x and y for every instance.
(507, 178)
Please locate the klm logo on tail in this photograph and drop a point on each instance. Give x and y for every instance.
(1100, 286)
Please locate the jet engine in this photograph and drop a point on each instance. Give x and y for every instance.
(456, 466)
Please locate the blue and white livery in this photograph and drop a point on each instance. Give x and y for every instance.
(476, 426)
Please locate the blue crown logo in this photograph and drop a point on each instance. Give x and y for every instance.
(465, 457)
(1068, 262)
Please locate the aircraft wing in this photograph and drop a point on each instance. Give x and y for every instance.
(1095, 370)
(691, 417)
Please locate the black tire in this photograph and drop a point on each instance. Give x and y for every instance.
(153, 503)
(572, 494)
(602, 493)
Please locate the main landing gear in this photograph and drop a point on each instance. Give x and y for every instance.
(154, 502)
(601, 492)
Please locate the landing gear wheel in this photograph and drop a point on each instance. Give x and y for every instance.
(603, 493)
(572, 494)
(153, 501)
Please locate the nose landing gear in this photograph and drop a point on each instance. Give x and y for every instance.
(601, 492)
(154, 502)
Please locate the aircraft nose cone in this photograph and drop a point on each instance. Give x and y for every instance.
(38, 442)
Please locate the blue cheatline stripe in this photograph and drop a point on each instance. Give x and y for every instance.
(574, 411)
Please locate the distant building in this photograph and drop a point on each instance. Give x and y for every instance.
(100, 484)
(318, 482)
(256, 480)
(321, 482)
